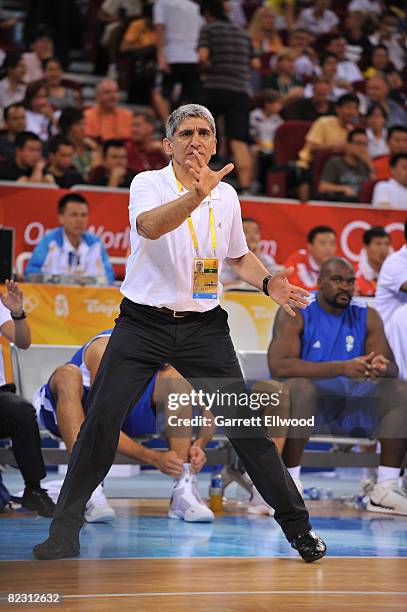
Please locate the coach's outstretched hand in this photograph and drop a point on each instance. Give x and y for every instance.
(285, 294)
(205, 179)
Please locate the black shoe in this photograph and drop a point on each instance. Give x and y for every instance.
(309, 545)
(40, 501)
(56, 548)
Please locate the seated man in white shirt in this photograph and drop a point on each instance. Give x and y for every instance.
(393, 193)
(391, 302)
(69, 250)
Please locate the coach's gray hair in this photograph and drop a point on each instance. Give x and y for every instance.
(188, 111)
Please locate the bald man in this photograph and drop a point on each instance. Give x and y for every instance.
(340, 368)
(106, 120)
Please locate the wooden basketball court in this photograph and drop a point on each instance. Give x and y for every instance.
(114, 580)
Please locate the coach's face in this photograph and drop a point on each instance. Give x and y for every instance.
(193, 134)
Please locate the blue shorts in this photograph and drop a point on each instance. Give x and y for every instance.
(140, 422)
(346, 406)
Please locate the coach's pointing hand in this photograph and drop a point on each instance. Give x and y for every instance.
(285, 294)
(205, 179)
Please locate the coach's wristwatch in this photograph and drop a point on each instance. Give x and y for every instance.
(265, 284)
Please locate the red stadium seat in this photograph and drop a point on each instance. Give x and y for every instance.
(318, 165)
(366, 192)
(289, 140)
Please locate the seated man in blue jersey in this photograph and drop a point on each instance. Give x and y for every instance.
(338, 365)
(61, 406)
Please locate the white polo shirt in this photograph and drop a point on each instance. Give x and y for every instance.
(159, 272)
(390, 192)
(393, 275)
(4, 317)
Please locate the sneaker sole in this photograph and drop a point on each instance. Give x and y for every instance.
(383, 509)
(103, 518)
(259, 510)
(180, 517)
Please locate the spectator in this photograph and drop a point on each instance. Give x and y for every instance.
(140, 43)
(14, 123)
(357, 43)
(306, 58)
(331, 132)
(284, 80)
(12, 87)
(395, 42)
(323, 353)
(70, 249)
(342, 176)
(27, 165)
(328, 70)
(321, 245)
(42, 47)
(251, 228)
(39, 116)
(17, 416)
(391, 302)
(114, 14)
(377, 248)
(107, 120)
(318, 19)
(379, 62)
(264, 122)
(86, 150)
(318, 104)
(144, 153)
(177, 25)
(264, 35)
(59, 96)
(376, 131)
(393, 193)
(347, 72)
(226, 53)
(60, 163)
(114, 171)
(377, 90)
(397, 143)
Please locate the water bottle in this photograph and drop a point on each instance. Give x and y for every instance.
(216, 490)
(313, 492)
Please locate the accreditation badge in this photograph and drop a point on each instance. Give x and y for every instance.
(205, 279)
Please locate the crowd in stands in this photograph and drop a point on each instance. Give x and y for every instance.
(258, 66)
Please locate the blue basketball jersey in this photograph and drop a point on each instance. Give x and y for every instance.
(328, 337)
(78, 360)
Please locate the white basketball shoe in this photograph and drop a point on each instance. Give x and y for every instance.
(388, 497)
(186, 502)
(257, 505)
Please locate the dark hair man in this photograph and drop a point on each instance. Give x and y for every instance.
(321, 245)
(339, 367)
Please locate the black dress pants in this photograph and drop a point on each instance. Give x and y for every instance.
(198, 346)
(18, 422)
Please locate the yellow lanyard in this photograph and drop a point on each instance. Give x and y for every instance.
(192, 229)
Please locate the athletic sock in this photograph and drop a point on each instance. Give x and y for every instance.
(369, 473)
(387, 473)
(295, 472)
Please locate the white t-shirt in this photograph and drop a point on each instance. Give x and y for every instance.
(377, 146)
(113, 7)
(390, 192)
(393, 275)
(182, 23)
(369, 6)
(309, 22)
(348, 71)
(159, 272)
(4, 317)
